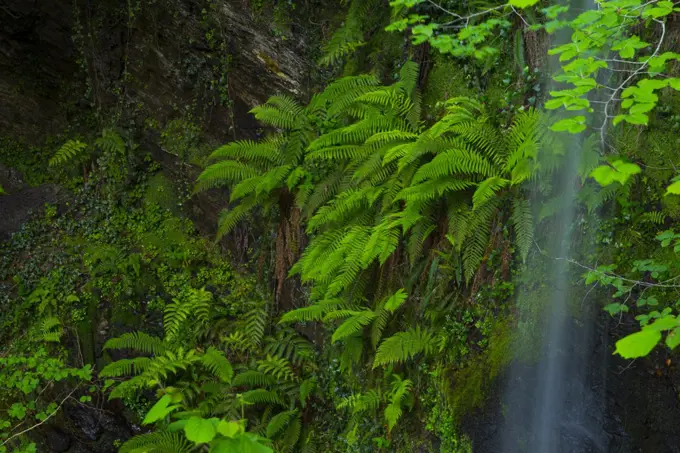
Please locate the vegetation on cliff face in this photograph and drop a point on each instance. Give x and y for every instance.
(377, 224)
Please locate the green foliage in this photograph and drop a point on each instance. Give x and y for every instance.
(68, 152)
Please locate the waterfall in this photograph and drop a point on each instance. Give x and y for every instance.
(550, 405)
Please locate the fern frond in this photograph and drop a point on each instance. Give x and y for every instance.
(217, 363)
(255, 323)
(274, 116)
(262, 396)
(224, 173)
(261, 153)
(138, 341)
(229, 218)
(462, 160)
(252, 378)
(314, 312)
(279, 422)
(157, 442)
(523, 221)
(290, 345)
(354, 324)
(67, 152)
(51, 329)
(433, 189)
(126, 367)
(111, 142)
(277, 367)
(403, 346)
(353, 348)
(487, 189)
(657, 217)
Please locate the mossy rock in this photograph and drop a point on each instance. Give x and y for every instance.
(161, 191)
(471, 383)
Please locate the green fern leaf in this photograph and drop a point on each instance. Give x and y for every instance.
(487, 189)
(279, 422)
(522, 219)
(404, 345)
(68, 152)
(138, 341)
(218, 364)
(353, 325)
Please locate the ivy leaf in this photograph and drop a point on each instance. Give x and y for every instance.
(200, 430)
(638, 344)
(159, 410)
(522, 3)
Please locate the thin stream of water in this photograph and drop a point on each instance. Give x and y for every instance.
(549, 404)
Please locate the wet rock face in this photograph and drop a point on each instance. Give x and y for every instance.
(16, 208)
(59, 56)
(616, 406)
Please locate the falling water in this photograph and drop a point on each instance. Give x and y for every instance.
(550, 405)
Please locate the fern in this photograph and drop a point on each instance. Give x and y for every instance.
(51, 329)
(522, 220)
(262, 396)
(126, 367)
(279, 422)
(403, 346)
(353, 324)
(277, 367)
(255, 323)
(194, 303)
(315, 312)
(393, 411)
(224, 173)
(218, 364)
(111, 142)
(68, 152)
(263, 153)
(229, 218)
(138, 341)
(252, 378)
(487, 189)
(157, 442)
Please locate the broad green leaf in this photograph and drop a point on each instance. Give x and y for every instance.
(572, 125)
(200, 430)
(159, 410)
(638, 344)
(660, 9)
(619, 171)
(665, 323)
(627, 47)
(229, 429)
(673, 189)
(616, 308)
(673, 338)
(637, 118)
(522, 3)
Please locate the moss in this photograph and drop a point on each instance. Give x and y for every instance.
(445, 80)
(161, 191)
(471, 383)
